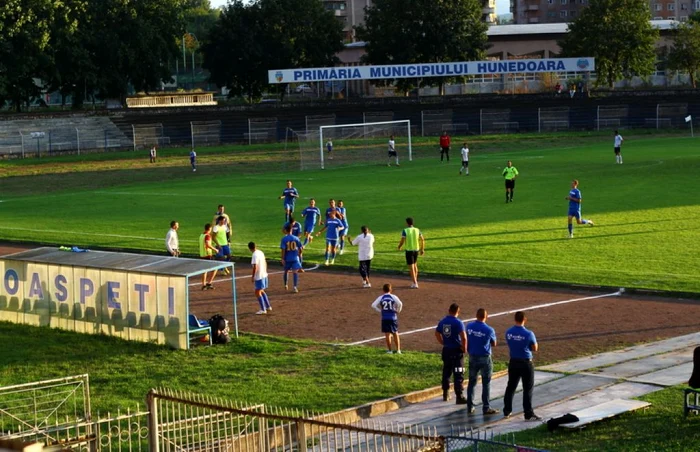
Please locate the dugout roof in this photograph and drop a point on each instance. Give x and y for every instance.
(108, 260)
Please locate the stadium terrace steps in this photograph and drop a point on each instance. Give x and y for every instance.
(94, 132)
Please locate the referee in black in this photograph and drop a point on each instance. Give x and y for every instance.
(452, 335)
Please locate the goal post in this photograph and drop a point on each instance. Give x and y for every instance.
(363, 143)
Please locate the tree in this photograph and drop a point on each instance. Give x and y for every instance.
(250, 39)
(423, 31)
(617, 33)
(685, 52)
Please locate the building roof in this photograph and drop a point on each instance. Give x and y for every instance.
(142, 263)
(537, 29)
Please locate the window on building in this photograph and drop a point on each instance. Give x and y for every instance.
(684, 7)
(684, 18)
(551, 14)
(658, 18)
(671, 6)
(582, 2)
(564, 2)
(572, 13)
(697, 4)
(658, 7)
(551, 2)
(562, 13)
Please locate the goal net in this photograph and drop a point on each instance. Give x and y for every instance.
(261, 130)
(553, 119)
(147, 135)
(357, 144)
(670, 115)
(434, 122)
(205, 133)
(612, 116)
(313, 122)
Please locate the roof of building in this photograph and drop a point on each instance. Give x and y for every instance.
(143, 263)
(537, 29)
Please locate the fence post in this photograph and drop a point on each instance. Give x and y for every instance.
(481, 121)
(77, 136)
(22, 135)
(153, 433)
(50, 142)
(657, 116)
(539, 121)
(192, 127)
(133, 135)
(106, 141)
(597, 118)
(422, 124)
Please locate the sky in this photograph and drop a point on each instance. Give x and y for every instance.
(502, 6)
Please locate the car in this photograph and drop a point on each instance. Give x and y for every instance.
(304, 89)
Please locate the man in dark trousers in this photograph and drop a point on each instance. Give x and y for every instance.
(445, 146)
(480, 339)
(521, 343)
(451, 334)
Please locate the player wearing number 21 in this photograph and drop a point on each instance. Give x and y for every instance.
(389, 305)
(291, 249)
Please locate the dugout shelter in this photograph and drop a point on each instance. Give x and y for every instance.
(133, 296)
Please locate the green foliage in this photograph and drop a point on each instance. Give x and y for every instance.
(250, 39)
(685, 53)
(618, 34)
(423, 31)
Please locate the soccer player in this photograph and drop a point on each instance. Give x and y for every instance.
(332, 227)
(618, 145)
(290, 194)
(342, 215)
(291, 257)
(259, 278)
(312, 216)
(389, 305)
(465, 160)
(445, 146)
(294, 225)
(510, 173)
(365, 253)
(329, 148)
(392, 152)
(415, 245)
(222, 243)
(574, 199)
(153, 154)
(193, 160)
(207, 251)
(220, 212)
(331, 208)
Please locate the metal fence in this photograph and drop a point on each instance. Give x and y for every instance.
(467, 440)
(54, 141)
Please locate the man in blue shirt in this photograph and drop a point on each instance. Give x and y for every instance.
(450, 333)
(389, 306)
(333, 227)
(342, 215)
(291, 248)
(480, 339)
(294, 224)
(290, 194)
(312, 216)
(331, 208)
(574, 199)
(521, 343)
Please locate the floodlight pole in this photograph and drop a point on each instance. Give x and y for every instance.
(235, 304)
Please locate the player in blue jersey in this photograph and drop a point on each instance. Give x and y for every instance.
(331, 208)
(291, 249)
(295, 225)
(193, 160)
(574, 199)
(290, 194)
(389, 306)
(333, 227)
(342, 215)
(312, 216)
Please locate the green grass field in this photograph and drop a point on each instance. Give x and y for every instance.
(644, 210)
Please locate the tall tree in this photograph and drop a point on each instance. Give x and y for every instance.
(617, 33)
(685, 52)
(250, 39)
(423, 31)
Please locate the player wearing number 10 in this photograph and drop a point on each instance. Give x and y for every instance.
(292, 249)
(389, 306)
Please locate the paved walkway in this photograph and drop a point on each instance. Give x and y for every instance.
(566, 387)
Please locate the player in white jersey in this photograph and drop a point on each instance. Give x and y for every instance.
(465, 160)
(259, 278)
(618, 145)
(392, 152)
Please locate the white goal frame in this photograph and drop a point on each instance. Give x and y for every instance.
(407, 122)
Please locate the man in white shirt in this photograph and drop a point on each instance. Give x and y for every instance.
(172, 244)
(365, 253)
(153, 154)
(618, 145)
(465, 160)
(259, 278)
(392, 152)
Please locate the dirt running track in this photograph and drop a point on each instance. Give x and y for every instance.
(333, 307)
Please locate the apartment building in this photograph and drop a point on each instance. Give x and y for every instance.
(351, 13)
(553, 11)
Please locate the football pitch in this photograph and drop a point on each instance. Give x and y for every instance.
(645, 211)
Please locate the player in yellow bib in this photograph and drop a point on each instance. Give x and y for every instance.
(510, 173)
(206, 251)
(415, 245)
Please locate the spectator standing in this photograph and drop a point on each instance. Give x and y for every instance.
(445, 146)
(153, 154)
(480, 339)
(451, 334)
(521, 343)
(172, 243)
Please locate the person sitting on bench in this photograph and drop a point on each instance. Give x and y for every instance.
(694, 381)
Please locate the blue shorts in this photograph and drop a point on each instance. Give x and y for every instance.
(332, 242)
(261, 284)
(390, 326)
(575, 213)
(308, 229)
(289, 207)
(292, 265)
(344, 231)
(225, 250)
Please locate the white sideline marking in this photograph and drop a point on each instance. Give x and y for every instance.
(498, 314)
(315, 267)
